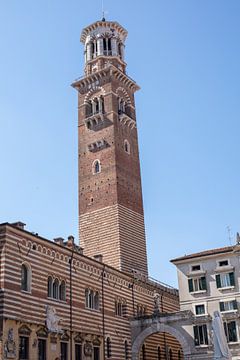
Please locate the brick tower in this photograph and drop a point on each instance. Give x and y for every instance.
(111, 220)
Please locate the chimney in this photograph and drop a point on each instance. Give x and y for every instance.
(70, 241)
(19, 225)
(58, 240)
(99, 258)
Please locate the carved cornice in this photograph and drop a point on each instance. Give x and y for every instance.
(95, 80)
(103, 24)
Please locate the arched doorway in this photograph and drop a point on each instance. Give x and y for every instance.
(141, 339)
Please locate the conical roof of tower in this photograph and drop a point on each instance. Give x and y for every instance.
(103, 23)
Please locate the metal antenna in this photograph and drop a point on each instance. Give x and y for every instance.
(229, 234)
(103, 12)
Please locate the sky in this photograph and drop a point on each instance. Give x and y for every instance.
(185, 56)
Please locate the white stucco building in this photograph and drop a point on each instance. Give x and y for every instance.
(209, 281)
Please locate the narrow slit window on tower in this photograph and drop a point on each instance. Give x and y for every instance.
(126, 146)
(96, 167)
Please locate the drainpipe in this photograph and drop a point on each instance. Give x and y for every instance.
(133, 298)
(103, 312)
(71, 305)
(164, 335)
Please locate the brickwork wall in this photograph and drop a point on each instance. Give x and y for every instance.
(47, 258)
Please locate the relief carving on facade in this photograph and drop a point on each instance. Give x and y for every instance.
(10, 346)
(88, 348)
(157, 302)
(52, 320)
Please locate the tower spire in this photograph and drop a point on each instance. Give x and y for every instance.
(103, 12)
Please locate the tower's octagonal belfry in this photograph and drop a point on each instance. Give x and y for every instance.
(102, 40)
(111, 220)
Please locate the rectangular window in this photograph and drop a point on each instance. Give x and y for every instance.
(78, 352)
(197, 284)
(23, 348)
(228, 305)
(231, 331)
(200, 335)
(225, 280)
(196, 267)
(64, 351)
(96, 353)
(42, 355)
(223, 263)
(200, 309)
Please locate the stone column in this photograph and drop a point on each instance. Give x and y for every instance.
(100, 46)
(122, 52)
(89, 51)
(114, 46)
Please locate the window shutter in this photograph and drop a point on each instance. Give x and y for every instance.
(190, 285)
(196, 338)
(235, 306)
(218, 281)
(232, 280)
(203, 283)
(221, 305)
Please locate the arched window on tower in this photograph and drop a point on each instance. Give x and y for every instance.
(96, 168)
(170, 355)
(159, 353)
(109, 350)
(88, 108)
(101, 104)
(179, 355)
(126, 146)
(25, 277)
(121, 106)
(107, 46)
(126, 349)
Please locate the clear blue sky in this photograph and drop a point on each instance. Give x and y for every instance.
(185, 55)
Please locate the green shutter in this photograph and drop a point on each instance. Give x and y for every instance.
(218, 281)
(221, 305)
(190, 285)
(232, 280)
(203, 283)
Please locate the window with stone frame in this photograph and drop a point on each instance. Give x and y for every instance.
(230, 329)
(120, 307)
(196, 284)
(25, 277)
(228, 306)
(224, 280)
(23, 348)
(91, 299)
(56, 289)
(200, 309)
(141, 310)
(200, 335)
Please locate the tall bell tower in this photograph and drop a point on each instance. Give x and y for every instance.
(111, 219)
